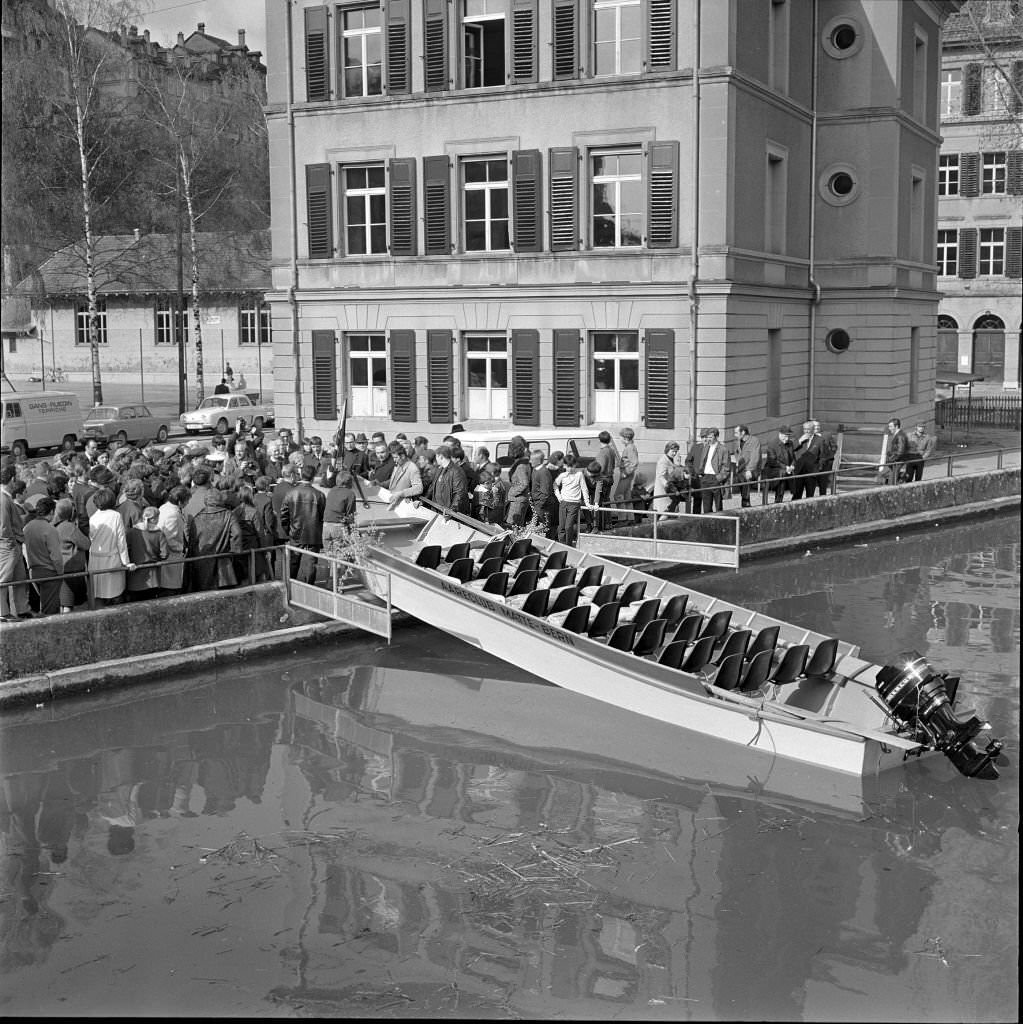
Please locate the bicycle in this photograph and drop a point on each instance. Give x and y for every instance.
(57, 376)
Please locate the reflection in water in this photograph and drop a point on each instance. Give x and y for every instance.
(421, 830)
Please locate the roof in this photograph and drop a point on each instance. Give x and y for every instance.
(16, 316)
(126, 265)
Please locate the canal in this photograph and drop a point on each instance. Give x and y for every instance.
(421, 830)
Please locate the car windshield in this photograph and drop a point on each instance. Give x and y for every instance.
(216, 402)
(101, 412)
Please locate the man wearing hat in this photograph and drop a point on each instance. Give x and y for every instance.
(779, 462)
(362, 463)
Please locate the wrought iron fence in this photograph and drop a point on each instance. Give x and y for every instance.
(981, 411)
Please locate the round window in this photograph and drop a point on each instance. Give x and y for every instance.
(839, 184)
(842, 37)
(838, 340)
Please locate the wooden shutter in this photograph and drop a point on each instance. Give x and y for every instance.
(564, 202)
(1014, 252)
(525, 353)
(402, 184)
(969, 174)
(1016, 93)
(527, 177)
(319, 211)
(324, 376)
(972, 76)
(435, 43)
(523, 41)
(440, 382)
(317, 55)
(967, 252)
(402, 345)
(399, 71)
(565, 36)
(1014, 172)
(566, 378)
(662, 195)
(660, 379)
(661, 46)
(437, 205)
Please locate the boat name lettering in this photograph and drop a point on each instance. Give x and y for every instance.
(509, 613)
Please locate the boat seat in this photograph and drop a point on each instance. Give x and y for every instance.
(555, 560)
(672, 654)
(493, 549)
(519, 549)
(729, 673)
(822, 661)
(564, 577)
(525, 564)
(758, 669)
(632, 592)
(765, 640)
(577, 620)
(495, 583)
(534, 603)
(561, 601)
(790, 668)
(717, 624)
(699, 654)
(622, 637)
(605, 620)
(461, 569)
(689, 628)
(591, 576)
(457, 551)
(525, 582)
(429, 556)
(674, 609)
(735, 643)
(641, 612)
(650, 640)
(484, 569)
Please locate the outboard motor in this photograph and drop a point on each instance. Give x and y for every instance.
(921, 699)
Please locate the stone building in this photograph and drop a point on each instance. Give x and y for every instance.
(980, 194)
(665, 213)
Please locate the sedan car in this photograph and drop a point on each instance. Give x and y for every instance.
(219, 413)
(128, 424)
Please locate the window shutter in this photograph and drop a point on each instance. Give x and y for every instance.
(566, 377)
(440, 384)
(324, 376)
(526, 378)
(527, 177)
(1014, 172)
(1014, 252)
(1016, 96)
(969, 174)
(319, 211)
(317, 55)
(402, 345)
(399, 77)
(435, 42)
(967, 252)
(523, 41)
(971, 89)
(662, 214)
(660, 379)
(660, 35)
(564, 171)
(565, 35)
(402, 183)
(437, 205)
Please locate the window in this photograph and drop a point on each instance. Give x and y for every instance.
(165, 322)
(361, 46)
(483, 40)
(82, 323)
(367, 374)
(254, 324)
(992, 181)
(948, 253)
(948, 174)
(914, 365)
(618, 199)
(917, 220)
(485, 204)
(617, 37)
(365, 210)
(995, 91)
(951, 92)
(992, 252)
(486, 377)
(615, 376)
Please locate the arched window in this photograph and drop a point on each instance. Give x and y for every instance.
(948, 345)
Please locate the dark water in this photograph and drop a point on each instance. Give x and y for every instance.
(424, 831)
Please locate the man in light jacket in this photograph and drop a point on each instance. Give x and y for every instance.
(747, 462)
(405, 480)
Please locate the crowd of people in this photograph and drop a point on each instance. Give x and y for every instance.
(163, 520)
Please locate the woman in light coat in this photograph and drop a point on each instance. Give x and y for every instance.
(173, 525)
(108, 547)
(664, 483)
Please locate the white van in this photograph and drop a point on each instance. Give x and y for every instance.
(582, 442)
(39, 419)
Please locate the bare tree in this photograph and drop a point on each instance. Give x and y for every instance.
(996, 28)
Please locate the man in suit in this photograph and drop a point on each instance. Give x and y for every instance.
(779, 461)
(709, 467)
(747, 462)
(898, 452)
(808, 453)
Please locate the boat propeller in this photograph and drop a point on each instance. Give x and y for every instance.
(922, 699)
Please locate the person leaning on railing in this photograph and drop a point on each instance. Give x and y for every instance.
(921, 448)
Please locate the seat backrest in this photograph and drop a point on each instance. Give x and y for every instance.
(757, 671)
(717, 624)
(528, 562)
(457, 551)
(520, 548)
(429, 556)
(536, 603)
(646, 612)
(689, 628)
(791, 665)
(462, 569)
(556, 560)
(497, 583)
(563, 577)
(577, 619)
(699, 655)
(729, 672)
(673, 654)
(568, 598)
(735, 643)
(633, 591)
(488, 567)
(605, 620)
(622, 637)
(525, 582)
(494, 549)
(651, 638)
(591, 576)
(606, 593)
(765, 640)
(674, 609)
(823, 659)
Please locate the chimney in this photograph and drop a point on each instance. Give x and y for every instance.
(181, 39)
(145, 35)
(241, 37)
(133, 31)
(138, 235)
(202, 27)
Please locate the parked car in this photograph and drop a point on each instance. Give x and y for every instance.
(128, 424)
(220, 412)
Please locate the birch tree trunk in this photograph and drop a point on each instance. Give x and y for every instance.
(193, 245)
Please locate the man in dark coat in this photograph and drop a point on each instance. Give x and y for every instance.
(383, 469)
(302, 521)
(214, 531)
(450, 491)
(709, 467)
(898, 452)
(779, 462)
(541, 494)
(808, 452)
(519, 474)
(747, 462)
